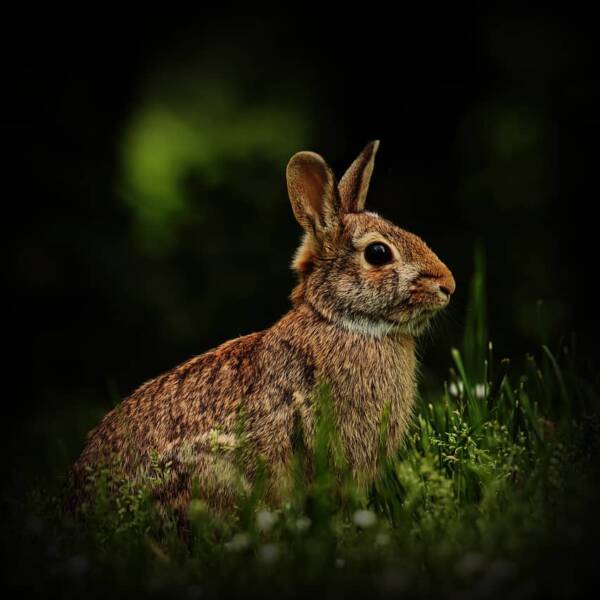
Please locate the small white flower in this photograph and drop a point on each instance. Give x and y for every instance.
(268, 554)
(456, 389)
(303, 523)
(239, 541)
(265, 520)
(479, 391)
(382, 539)
(364, 518)
(340, 563)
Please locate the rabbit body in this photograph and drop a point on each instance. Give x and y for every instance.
(190, 414)
(353, 326)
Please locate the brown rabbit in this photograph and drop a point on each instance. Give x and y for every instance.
(366, 289)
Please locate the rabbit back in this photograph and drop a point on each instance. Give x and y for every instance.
(193, 418)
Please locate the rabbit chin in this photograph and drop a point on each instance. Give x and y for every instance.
(418, 324)
(411, 325)
(414, 324)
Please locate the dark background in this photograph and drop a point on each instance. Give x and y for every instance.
(146, 209)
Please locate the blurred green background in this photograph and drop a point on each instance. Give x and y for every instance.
(152, 220)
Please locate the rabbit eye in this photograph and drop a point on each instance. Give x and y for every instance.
(378, 254)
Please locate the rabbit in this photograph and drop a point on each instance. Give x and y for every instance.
(365, 291)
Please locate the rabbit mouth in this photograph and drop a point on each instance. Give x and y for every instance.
(415, 321)
(430, 301)
(417, 307)
(421, 302)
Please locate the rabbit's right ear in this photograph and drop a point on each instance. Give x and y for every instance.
(314, 194)
(354, 185)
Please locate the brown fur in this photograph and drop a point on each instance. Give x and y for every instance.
(352, 325)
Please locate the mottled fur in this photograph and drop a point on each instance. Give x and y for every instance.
(352, 325)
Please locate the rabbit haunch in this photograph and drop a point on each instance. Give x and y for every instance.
(352, 325)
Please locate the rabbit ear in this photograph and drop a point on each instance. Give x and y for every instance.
(354, 185)
(313, 193)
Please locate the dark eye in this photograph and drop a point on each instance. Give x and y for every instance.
(378, 254)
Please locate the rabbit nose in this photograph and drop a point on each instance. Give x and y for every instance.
(442, 282)
(447, 285)
(445, 290)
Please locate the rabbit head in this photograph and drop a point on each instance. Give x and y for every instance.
(355, 268)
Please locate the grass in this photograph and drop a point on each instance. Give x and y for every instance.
(493, 492)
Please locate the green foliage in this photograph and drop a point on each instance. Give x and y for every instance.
(470, 499)
(475, 337)
(200, 118)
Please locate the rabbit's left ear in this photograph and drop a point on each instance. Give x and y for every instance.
(354, 185)
(314, 194)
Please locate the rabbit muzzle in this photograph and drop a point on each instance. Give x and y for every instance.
(433, 289)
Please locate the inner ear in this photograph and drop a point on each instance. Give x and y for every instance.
(313, 193)
(315, 189)
(354, 185)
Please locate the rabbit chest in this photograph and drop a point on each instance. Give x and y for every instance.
(371, 379)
